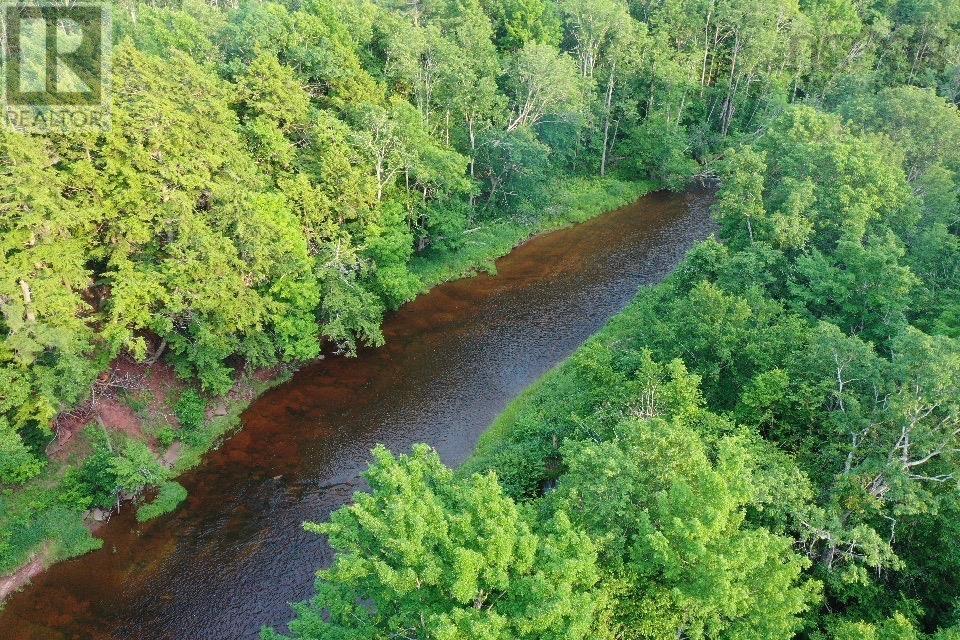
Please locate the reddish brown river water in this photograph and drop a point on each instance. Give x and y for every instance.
(229, 560)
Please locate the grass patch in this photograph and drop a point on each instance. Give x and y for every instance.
(574, 200)
(138, 401)
(36, 515)
(169, 497)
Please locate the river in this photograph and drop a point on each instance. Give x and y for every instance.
(232, 557)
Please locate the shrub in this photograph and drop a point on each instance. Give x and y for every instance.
(93, 483)
(166, 435)
(191, 410)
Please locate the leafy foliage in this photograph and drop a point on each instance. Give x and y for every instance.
(778, 419)
(169, 497)
(429, 555)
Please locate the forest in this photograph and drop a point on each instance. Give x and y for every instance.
(764, 446)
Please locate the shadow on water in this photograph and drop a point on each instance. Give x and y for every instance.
(234, 555)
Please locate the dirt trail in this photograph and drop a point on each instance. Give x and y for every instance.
(23, 575)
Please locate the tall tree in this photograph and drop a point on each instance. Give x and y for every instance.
(424, 555)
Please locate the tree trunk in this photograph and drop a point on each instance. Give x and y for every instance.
(706, 50)
(727, 112)
(606, 123)
(156, 354)
(473, 154)
(28, 302)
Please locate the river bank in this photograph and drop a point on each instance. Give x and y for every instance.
(452, 361)
(37, 529)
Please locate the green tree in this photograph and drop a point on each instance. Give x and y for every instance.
(45, 339)
(660, 150)
(681, 561)
(543, 82)
(924, 126)
(521, 22)
(136, 468)
(425, 555)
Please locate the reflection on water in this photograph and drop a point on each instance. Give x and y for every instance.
(234, 555)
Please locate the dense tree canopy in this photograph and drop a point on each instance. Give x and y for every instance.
(427, 555)
(764, 446)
